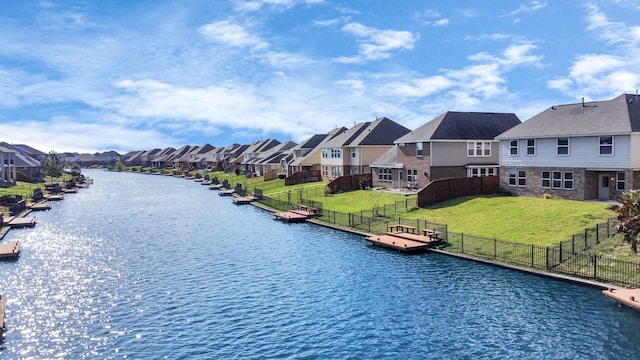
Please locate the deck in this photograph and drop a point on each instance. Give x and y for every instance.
(9, 250)
(3, 301)
(291, 216)
(54, 197)
(17, 222)
(215, 187)
(243, 200)
(226, 192)
(45, 205)
(628, 297)
(403, 241)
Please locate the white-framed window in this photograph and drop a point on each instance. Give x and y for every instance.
(562, 146)
(513, 147)
(620, 177)
(325, 152)
(545, 179)
(606, 145)
(517, 177)
(568, 180)
(476, 171)
(325, 170)
(522, 178)
(335, 171)
(557, 180)
(478, 148)
(336, 153)
(354, 152)
(385, 174)
(531, 147)
(412, 175)
(419, 149)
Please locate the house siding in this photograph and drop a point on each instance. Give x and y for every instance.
(583, 152)
(454, 153)
(634, 148)
(407, 156)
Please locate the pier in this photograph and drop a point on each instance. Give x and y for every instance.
(9, 250)
(628, 297)
(404, 241)
(19, 222)
(3, 301)
(298, 213)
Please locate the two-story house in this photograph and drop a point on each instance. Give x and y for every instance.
(454, 144)
(580, 151)
(8, 175)
(352, 151)
(306, 155)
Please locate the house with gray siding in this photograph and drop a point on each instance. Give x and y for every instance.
(454, 144)
(580, 151)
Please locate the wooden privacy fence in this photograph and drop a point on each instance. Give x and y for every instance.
(302, 177)
(445, 189)
(350, 182)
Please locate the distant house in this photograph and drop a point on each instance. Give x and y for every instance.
(107, 158)
(148, 156)
(454, 144)
(26, 162)
(198, 158)
(247, 162)
(580, 151)
(352, 151)
(8, 174)
(275, 160)
(132, 158)
(307, 154)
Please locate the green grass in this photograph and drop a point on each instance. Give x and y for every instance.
(355, 201)
(527, 220)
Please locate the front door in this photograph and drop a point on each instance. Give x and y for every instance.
(603, 192)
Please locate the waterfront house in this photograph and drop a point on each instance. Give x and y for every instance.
(107, 158)
(307, 154)
(231, 158)
(8, 175)
(198, 158)
(454, 144)
(25, 161)
(579, 151)
(352, 151)
(148, 156)
(132, 158)
(246, 162)
(274, 161)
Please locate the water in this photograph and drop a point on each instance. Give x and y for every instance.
(156, 267)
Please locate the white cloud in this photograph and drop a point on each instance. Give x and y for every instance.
(255, 5)
(533, 6)
(232, 34)
(377, 44)
(430, 17)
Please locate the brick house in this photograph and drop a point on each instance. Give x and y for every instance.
(577, 151)
(454, 144)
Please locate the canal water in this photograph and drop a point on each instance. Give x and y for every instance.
(140, 266)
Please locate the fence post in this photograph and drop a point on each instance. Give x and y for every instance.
(594, 266)
(369, 225)
(573, 245)
(532, 257)
(547, 258)
(495, 250)
(560, 251)
(597, 233)
(462, 243)
(586, 236)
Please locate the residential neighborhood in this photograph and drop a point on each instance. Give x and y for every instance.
(580, 151)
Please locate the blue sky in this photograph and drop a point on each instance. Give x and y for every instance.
(91, 76)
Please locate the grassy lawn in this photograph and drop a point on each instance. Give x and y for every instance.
(520, 219)
(354, 201)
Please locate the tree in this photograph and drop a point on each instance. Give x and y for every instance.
(629, 217)
(52, 165)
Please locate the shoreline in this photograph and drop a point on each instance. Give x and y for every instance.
(560, 277)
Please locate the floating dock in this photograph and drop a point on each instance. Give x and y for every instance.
(298, 213)
(70, 190)
(403, 241)
(226, 192)
(628, 297)
(215, 187)
(17, 222)
(243, 200)
(45, 205)
(3, 301)
(54, 197)
(9, 250)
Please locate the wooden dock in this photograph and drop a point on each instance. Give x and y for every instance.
(628, 297)
(54, 197)
(215, 187)
(228, 192)
(3, 301)
(45, 205)
(403, 241)
(242, 200)
(298, 213)
(18, 222)
(9, 250)
(72, 190)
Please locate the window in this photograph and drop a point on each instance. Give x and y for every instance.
(531, 146)
(563, 146)
(325, 170)
(546, 179)
(522, 178)
(335, 171)
(336, 153)
(557, 180)
(568, 180)
(325, 153)
(354, 153)
(476, 171)
(385, 174)
(620, 181)
(412, 175)
(512, 178)
(419, 149)
(478, 148)
(606, 145)
(513, 147)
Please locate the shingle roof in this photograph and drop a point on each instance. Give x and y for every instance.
(617, 116)
(462, 126)
(382, 131)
